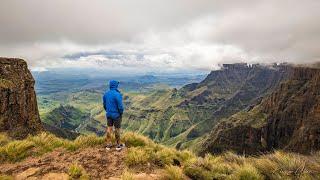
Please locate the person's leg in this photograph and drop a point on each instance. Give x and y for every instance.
(117, 125)
(109, 133)
(117, 135)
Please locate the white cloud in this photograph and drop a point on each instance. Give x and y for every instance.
(163, 35)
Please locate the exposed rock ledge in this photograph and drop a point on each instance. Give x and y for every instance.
(19, 115)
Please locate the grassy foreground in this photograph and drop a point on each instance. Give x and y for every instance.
(173, 164)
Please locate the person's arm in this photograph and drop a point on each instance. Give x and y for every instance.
(119, 103)
(104, 102)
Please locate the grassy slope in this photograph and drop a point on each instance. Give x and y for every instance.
(143, 153)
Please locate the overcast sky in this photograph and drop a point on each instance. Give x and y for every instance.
(162, 35)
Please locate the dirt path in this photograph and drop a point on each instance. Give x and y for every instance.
(98, 163)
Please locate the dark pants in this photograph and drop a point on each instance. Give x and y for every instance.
(117, 124)
(114, 122)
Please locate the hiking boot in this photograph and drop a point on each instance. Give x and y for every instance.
(120, 147)
(108, 146)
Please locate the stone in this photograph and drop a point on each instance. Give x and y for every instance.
(27, 174)
(18, 103)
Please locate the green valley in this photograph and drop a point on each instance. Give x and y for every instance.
(177, 117)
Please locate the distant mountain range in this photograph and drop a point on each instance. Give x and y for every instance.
(48, 82)
(182, 118)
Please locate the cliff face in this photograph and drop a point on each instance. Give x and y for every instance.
(294, 113)
(288, 119)
(18, 105)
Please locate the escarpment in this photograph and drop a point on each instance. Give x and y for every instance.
(18, 104)
(288, 119)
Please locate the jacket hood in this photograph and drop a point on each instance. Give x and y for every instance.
(113, 84)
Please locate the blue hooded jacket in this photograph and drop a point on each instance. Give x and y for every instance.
(112, 101)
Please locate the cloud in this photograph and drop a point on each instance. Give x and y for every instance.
(162, 35)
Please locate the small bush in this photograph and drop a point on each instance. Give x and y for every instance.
(77, 172)
(173, 173)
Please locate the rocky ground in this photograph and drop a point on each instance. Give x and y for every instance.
(97, 162)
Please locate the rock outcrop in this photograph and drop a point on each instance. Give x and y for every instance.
(287, 119)
(18, 104)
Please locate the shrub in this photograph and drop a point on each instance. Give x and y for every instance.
(173, 173)
(77, 172)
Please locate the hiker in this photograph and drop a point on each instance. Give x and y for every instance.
(112, 103)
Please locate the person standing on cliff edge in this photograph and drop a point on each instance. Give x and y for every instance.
(112, 104)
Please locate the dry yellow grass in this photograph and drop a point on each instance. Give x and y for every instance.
(175, 164)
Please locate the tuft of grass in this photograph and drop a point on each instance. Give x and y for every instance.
(6, 177)
(209, 167)
(197, 172)
(84, 141)
(42, 143)
(166, 156)
(134, 140)
(281, 165)
(137, 156)
(171, 172)
(157, 155)
(232, 158)
(15, 150)
(77, 172)
(127, 175)
(45, 142)
(246, 172)
(4, 139)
